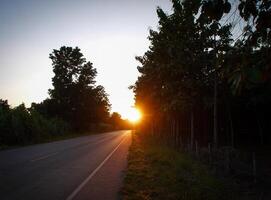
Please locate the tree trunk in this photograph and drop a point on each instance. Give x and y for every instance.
(152, 128)
(174, 132)
(260, 130)
(215, 111)
(178, 133)
(171, 130)
(231, 126)
(192, 129)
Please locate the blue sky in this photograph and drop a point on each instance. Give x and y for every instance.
(109, 33)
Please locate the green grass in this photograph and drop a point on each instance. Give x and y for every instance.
(161, 173)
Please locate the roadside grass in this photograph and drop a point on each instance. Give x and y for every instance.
(160, 173)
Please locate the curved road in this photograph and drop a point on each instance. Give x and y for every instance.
(89, 167)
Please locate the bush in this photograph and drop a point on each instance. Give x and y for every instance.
(20, 125)
(5, 119)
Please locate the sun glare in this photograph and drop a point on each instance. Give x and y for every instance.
(134, 115)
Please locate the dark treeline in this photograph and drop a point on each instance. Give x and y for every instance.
(118, 123)
(206, 92)
(200, 85)
(76, 104)
(21, 125)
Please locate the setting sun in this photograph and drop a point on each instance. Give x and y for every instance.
(134, 115)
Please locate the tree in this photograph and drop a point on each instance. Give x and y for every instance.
(5, 118)
(115, 119)
(118, 123)
(178, 70)
(75, 96)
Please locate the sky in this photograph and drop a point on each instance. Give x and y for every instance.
(110, 34)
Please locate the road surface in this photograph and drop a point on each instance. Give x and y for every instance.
(90, 167)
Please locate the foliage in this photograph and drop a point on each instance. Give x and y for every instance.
(75, 102)
(118, 123)
(23, 126)
(256, 14)
(75, 97)
(197, 82)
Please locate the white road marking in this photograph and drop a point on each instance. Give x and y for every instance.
(77, 190)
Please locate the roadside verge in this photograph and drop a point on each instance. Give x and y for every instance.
(158, 172)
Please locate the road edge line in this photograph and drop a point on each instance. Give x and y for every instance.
(77, 190)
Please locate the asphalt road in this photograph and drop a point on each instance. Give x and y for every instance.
(90, 167)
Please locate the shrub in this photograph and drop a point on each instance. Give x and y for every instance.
(20, 125)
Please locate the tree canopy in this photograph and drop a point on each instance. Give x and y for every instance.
(195, 68)
(75, 97)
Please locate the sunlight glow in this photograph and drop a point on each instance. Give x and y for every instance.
(134, 115)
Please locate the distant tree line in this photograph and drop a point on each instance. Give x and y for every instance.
(118, 123)
(76, 104)
(198, 84)
(21, 125)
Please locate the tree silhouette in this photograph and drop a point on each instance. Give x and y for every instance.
(76, 97)
(196, 80)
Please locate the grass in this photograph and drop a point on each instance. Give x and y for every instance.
(161, 173)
